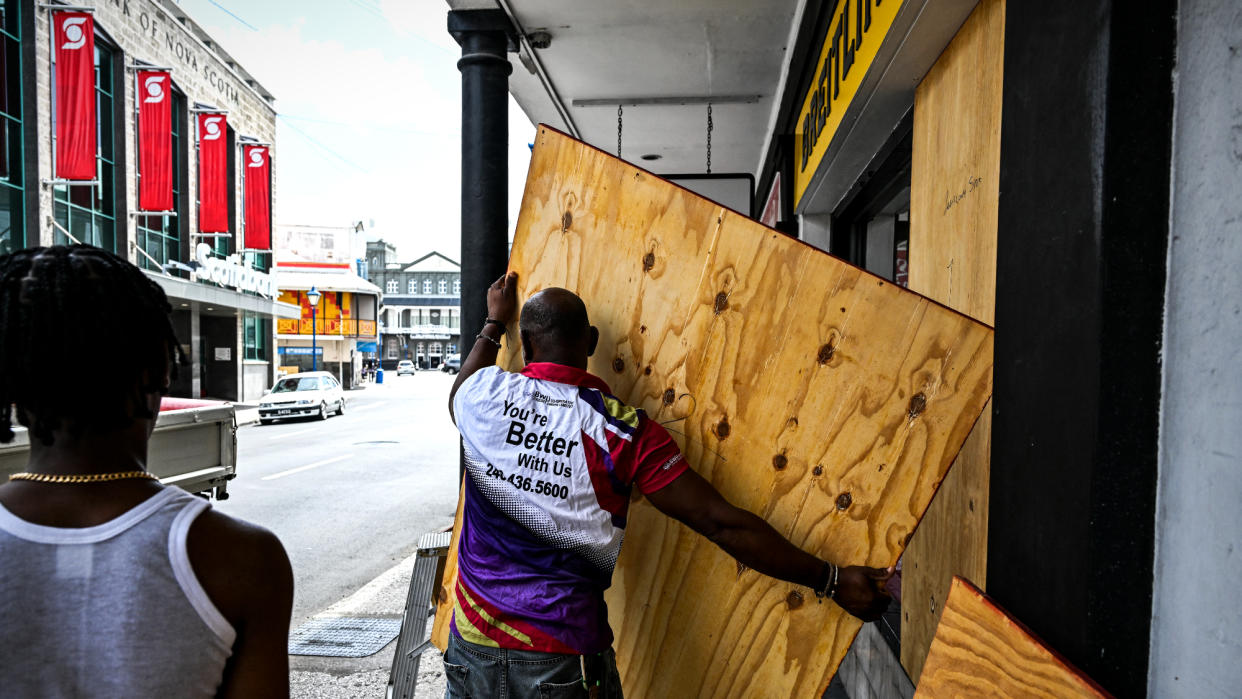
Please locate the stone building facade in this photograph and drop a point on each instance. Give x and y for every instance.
(227, 331)
(421, 316)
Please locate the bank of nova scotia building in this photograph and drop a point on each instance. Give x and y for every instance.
(128, 127)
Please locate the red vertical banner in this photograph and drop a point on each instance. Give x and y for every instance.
(155, 183)
(213, 164)
(73, 41)
(258, 161)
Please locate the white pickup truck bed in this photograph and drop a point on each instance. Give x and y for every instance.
(194, 447)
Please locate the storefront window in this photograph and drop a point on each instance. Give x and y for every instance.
(160, 236)
(257, 330)
(12, 163)
(89, 212)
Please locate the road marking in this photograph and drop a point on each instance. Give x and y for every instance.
(368, 406)
(307, 467)
(290, 434)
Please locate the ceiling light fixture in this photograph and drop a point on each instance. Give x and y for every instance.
(651, 156)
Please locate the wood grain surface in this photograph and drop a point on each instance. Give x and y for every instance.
(954, 194)
(827, 400)
(981, 651)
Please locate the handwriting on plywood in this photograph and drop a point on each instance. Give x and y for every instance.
(980, 651)
(840, 449)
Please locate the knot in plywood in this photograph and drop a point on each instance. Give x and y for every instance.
(825, 353)
(918, 403)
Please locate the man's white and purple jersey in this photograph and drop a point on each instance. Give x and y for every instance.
(551, 458)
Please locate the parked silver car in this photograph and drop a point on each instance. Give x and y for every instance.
(314, 393)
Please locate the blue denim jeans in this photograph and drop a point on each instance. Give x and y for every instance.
(482, 672)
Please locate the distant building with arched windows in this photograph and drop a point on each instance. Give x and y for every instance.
(420, 318)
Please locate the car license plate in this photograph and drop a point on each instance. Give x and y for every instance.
(283, 412)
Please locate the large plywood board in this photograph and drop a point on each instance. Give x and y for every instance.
(954, 194)
(823, 398)
(981, 651)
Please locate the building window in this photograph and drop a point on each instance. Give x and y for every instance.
(457, 287)
(12, 154)
(411, 287)
(392, 348)
(89, 213)
(452, 348)
(160, 236)
(257, 330)
(427, 286)
(443, 287)
(391, 287)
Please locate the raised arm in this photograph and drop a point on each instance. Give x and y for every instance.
(501, 305)
(693, 501)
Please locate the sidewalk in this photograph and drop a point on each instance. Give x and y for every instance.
(346, 678)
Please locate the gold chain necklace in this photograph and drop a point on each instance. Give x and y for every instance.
(81, 477)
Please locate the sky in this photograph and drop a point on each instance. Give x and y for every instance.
(368, 101)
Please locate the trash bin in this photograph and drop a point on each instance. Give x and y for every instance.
(379, 376)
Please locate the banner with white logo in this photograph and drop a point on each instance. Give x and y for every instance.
(213, 164)
(258, 161)
(73, 38)
(155, 171)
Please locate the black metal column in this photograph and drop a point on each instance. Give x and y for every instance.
(1083, 235)
(485, 37)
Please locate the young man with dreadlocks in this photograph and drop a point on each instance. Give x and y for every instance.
(114, 585)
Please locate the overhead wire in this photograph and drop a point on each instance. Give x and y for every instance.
(234, 15)
(324, 147)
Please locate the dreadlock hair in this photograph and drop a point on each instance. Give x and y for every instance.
(53, 302)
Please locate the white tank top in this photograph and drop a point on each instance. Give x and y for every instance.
(113, 610)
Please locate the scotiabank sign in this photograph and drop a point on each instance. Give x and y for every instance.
(231, 273)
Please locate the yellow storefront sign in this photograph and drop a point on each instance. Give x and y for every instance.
(855, 33)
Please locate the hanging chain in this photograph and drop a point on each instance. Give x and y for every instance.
(618, 130)
(709, 138)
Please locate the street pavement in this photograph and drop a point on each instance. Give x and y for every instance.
(349, 498)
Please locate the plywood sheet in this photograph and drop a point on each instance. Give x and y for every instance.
(827, 400)
(981, 651)
(954, 194)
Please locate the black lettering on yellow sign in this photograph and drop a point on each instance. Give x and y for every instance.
(843, 45)
(855, 32)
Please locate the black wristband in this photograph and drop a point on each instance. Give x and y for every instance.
(504, 329)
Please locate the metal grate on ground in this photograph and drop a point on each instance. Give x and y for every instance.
(343, 637)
